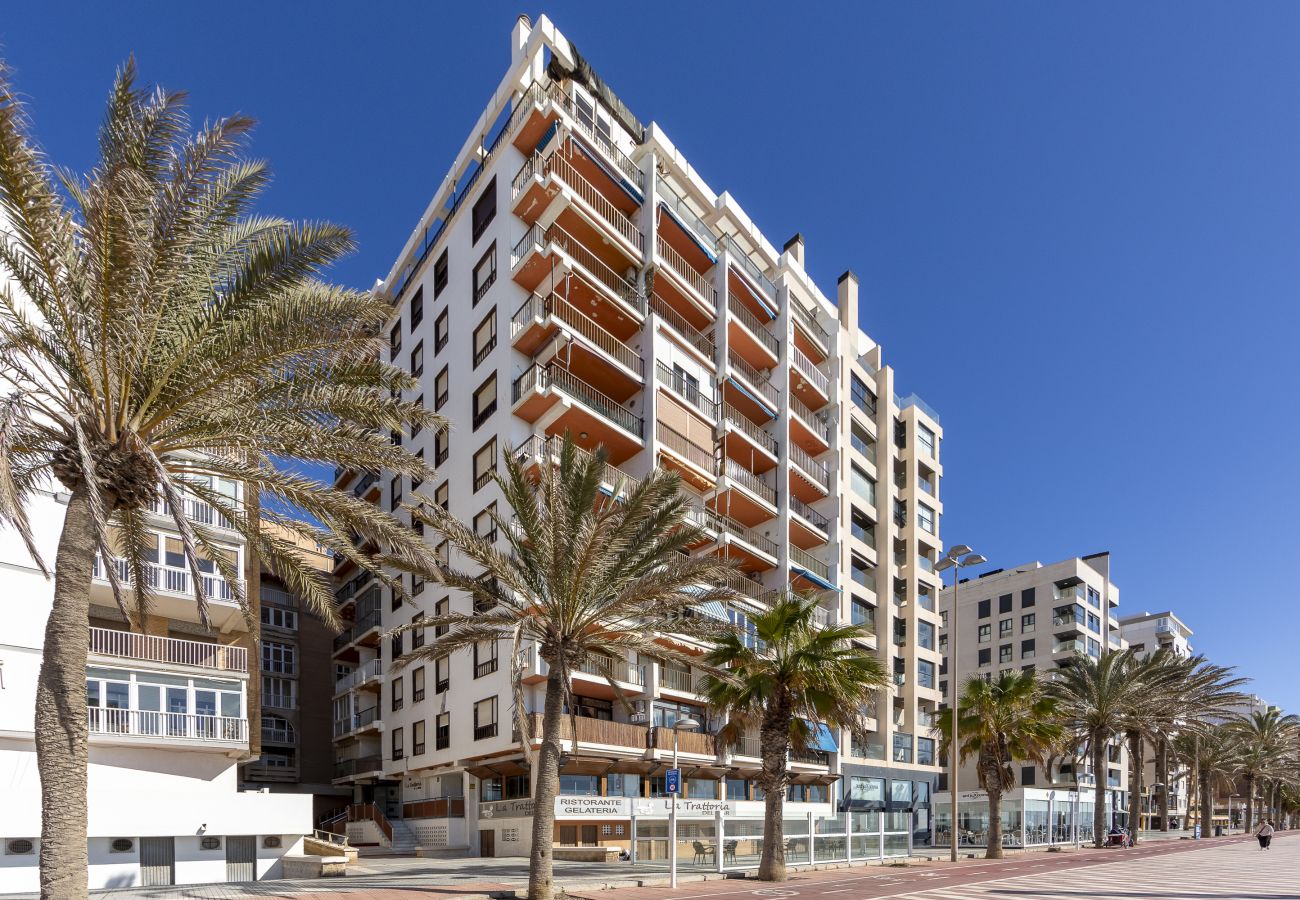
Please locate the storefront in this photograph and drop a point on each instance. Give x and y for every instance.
(1030, 817)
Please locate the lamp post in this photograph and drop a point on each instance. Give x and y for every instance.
(959, 557)
(1150, 804)
(686, 723)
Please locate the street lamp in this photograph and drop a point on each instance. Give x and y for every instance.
(686, 723)
(1150, 804)
(959, 557)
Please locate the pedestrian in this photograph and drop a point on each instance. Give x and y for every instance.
(1265, 834)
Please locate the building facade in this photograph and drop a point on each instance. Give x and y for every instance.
(169, 704)
(575, 274)
(1037, 617)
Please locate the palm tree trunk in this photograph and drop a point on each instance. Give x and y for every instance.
(775, 749)
(994, 848)
(1207, 810)
(61, 727)
(541, 881)
(1162, 775)
(1137, 775)
(1250, 802)
(1098, 791)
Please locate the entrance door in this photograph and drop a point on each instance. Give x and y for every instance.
(487, 844)
(157, 861)
(241, 858)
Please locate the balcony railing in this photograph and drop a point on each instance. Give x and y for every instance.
(557, 165)
(819, 379)
(682, 446)
(356, 722)
(540, 378)
(676, 679)
(198, 511)
(747, 586)
(536, 308)
(535, 237)
(806, 560)
(668, 197)
(744, 532)
(167, 725)
(686, 272)
(759, 381)
(364, 622)
(750, 268)
(595, 731)
(360, 675)
(749, 480)
(346, 768)
(914, 400)
(815, 470)
(620, 159)
(818, 422)
(700, 340)
(750, 321)
(810, 515)
(548, 449)
(737, 420)
(169, 580)
(805, 319)
(150, 648)
(694, 396)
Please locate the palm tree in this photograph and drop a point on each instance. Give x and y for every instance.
(786, 678)
(585, 576)
(1265, 737)
(157, 333)
(998, 723)
(1095, 698)
(1214, 752)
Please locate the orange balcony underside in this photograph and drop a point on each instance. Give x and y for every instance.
(691, 473)
(579, 421)
(804, 536)
(812, 396)
(684, 302)
(741, 447)
(539, 274)
(750, 348)
(743, 558)
(810, 349)
(804, 489)
(745, 294)
(737, 503)
(742, 400)
(681, 241)
(806, 437)
(579, 358)
(532, 130)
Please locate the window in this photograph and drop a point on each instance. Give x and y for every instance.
(866, 789)
(417, 737)
(397, 645)
(417, 309)
(417, 684)
(925, 635)
(485, 208)
(925, 673)
(485, 524)
(441, 675)
(417, 359)
(619, 784)
(485, 273)
(903, 748)
(416, 428)
(485, 461)
(278, 693)
(736, 789)
(395, 342)
(395, 597)
(397, 690)
(275, 617)
(417, 633)
(440, 274)
(441, 388)
(485, 337)
(985, 634)
(277, 730)
(1027, 623)
(1028, 776)
(580, 785)
(395, 492)
(210, 843)
(666, 713)
(1005, 627)
(439, 611)
(397, 747)
(862, 484)
(863, 397)
(485, 401)
(485, 719)
(1094, 622)
(1004, 653)
(925, 439)
(1028, 648)
(442, 495)
(1004, 603)
(984, 610)
(441, 330)
(925, 751)
(1026, 598)
(485, 658)
(278, 657)
(441, 448)
(986, 656)
(442, 731)
(925, 517)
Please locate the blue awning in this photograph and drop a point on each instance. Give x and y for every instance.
(546, 138)
(616, 177)
(690, 232)
(713, 609)
(750, 394)
(821, 738)
(815, 578)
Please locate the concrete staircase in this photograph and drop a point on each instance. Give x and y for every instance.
(404, 842)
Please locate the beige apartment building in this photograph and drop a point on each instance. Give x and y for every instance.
(1038, 616)
(576, 274)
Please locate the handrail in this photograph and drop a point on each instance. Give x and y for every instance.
(750, 321)
(810, 562)
(805, 319)
(537, 377)
(152, 648)
(812, 516)
(819, 379)
(819, 424)
(751, 481)
(685, 271)
(329, 837)
(166, 725)
(620, 159)
(815, 470)
(693, 395)
(701, 340)
(684, 447)
(734, 417)
(744, 532)
(556, 164)
(537, 308)
(669, 198)
(548, 448)
(168, 579)
(750, 267)
(361, 674)
(759, 382)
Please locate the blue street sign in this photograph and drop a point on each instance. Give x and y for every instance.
(673, 781)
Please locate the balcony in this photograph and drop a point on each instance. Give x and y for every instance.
(913, 400)
(683, 681)
(689, 743)
(358, 767)
(605, 356)
(743, 494)
(808, 528)
(361, 722)
(368, 675)
(548, 253)
(597, 732)
(548, 101)
(694, 462)
(538, 449)
(200, 512)
(810, 337)
(751, 391)
(810, 480)
(742, 438)
(697, 335)
(570, 404)
(149, 727)
(808, 381)
(750, 274)
(750, 337)
(368, 484)
(173, 589)
(688, 391)
(810, 430)
(685, 279)
(737, 540)
(364, 629)
(811, 565)
(168, 651)
(1075, 646)
(552, 187)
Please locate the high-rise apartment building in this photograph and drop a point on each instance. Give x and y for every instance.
(1038, 617)
(576, 275)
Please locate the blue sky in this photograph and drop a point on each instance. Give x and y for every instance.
(1076, 225)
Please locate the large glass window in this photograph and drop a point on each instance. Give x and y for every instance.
(902, 748)
(667, 713)
(279, 658)
(580, 785)
(865, 788)
(925, 673)
(900, 791)
(925, 517)
(925, 635)
(623, 785)
(925, 751)
(925, 439)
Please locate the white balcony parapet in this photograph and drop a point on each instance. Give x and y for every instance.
(151, 648)
(170, 580)
(167, 726)
(360, 675)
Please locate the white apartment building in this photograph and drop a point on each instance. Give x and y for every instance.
(1036, 616)
(576, 274)
(1145, 634)
(168, 711)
